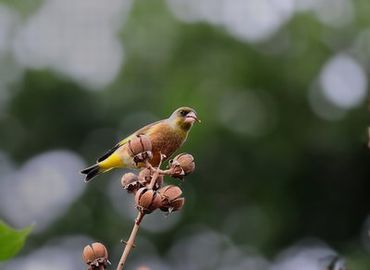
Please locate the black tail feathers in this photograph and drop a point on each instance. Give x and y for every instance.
(91, 172)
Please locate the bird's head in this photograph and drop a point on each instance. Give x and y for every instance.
(184, 117)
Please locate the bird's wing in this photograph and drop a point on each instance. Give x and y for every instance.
(144, 130)
(108, 153)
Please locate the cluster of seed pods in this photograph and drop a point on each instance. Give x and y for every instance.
(147, 185)
(149, 190)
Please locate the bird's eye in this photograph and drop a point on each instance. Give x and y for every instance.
(183, 113)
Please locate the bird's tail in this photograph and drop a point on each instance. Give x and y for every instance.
(109, 163)
(91, 172)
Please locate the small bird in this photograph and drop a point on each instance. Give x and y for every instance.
(166, 136)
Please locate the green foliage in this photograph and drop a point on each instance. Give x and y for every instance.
(11, 240)
(270, 170)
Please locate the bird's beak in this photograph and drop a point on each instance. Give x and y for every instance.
(192, 117)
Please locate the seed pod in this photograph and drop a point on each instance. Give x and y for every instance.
(144, 197)
(95, 254)
(142, 157)
(88, 254)
(173, 206)
(129, 181)
(139, 144)
(182, 165)
(145, 176)
(171, 200)
(147, 200)
(186, 162)
(156, 203)
(178, 203)
(176, 171)
(170, 192)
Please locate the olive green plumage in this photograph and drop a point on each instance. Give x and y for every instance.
(166, 136)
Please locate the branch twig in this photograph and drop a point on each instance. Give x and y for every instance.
(131, 241)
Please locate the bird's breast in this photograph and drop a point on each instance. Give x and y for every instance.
(165, 140)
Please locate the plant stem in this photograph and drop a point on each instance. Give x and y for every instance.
(131, 241)
(156, 173)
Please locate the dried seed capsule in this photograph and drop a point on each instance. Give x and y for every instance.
(174, 205)
(186, 162)
(144, 197)
(156, 203)
(88, 254)
(147, 200)
(138, 194)
(176, 171)
(178, 203)
(142, 157)
(171, 200)
(182, 165)
(100, 250)
(170, 192)
(95, 254)
(145, 176)
(139, 144)
(129, 181)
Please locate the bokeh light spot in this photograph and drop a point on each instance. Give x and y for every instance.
(42, 189)
(343, 82)
(76, 38)
(304, 256)
(248, 20)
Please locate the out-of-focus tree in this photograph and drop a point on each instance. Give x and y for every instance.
(281, 88)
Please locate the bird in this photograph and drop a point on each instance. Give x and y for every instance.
(166, 136)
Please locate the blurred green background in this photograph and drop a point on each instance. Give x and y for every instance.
(282, 178)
